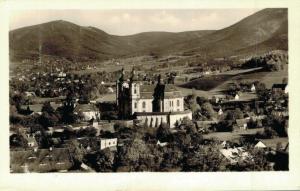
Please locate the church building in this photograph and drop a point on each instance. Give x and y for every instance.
(152, 104)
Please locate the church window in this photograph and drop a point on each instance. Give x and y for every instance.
(178, 103)
(134, 90)
(144, 104)
(135, 105)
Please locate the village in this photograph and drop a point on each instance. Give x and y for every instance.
(140, 119)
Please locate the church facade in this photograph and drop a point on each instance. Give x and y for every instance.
(152, 104)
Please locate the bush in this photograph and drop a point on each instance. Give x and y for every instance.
(268, 133)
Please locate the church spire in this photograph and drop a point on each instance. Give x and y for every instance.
(160, 80)
(121, 78)
(133, 75)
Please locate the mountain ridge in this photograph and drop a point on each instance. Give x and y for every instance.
(262, 31)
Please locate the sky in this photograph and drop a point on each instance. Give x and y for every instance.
(132, 21)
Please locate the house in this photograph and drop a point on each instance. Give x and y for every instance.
(86, 168)
(29, 94)
(237, 96)
(62, 74)
(280, 88)
(37, 108)
(218, 98)
(88, 111)
(110, 90)
(253, 89)
(224, 144)
(207, 72)
(162, 144)
(31, 141)
(55, 131)
(220, 112)
(108, 143)
(280, 113)
(236, 154)
(41, 160)
(260, 145)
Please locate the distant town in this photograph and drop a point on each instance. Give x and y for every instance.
(178, 112)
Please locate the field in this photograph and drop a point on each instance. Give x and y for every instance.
(40, 100)
(232, 136)
(215, 84)
(107, 98)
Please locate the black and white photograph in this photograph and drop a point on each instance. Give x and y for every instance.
(148, 90)
(140, 90)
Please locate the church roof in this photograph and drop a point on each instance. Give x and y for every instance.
(279, 86)
(147, 88)
(170, 91)
(85, 108)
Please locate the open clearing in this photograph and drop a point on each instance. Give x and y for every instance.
(232, 136)
(214, 84)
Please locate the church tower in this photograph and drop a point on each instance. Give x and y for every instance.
(134, 92)
(123, 97)
(158, 95)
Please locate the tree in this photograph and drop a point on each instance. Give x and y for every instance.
(17, 100)
(207, 110)
(47, 108)
(77, 152)
(182, 139)
(17, 140)
(102, 161)
(67, 110)
(171, 158)
(285, 80)
(131, 153)
(48, 120)
(192, 104)
(223, 126)
(238, 114)
(188, 125)
(262, 92)
(163, 133)
(87, 132)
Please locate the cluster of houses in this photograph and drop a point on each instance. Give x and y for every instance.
(138, 98)
(52, 83)
(59, 156)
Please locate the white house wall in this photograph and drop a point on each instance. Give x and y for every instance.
(105, 143)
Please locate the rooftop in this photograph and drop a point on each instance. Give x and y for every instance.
(85, 107)
(170, 91)
(279, 86)
(162, 113)
(42, 160)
